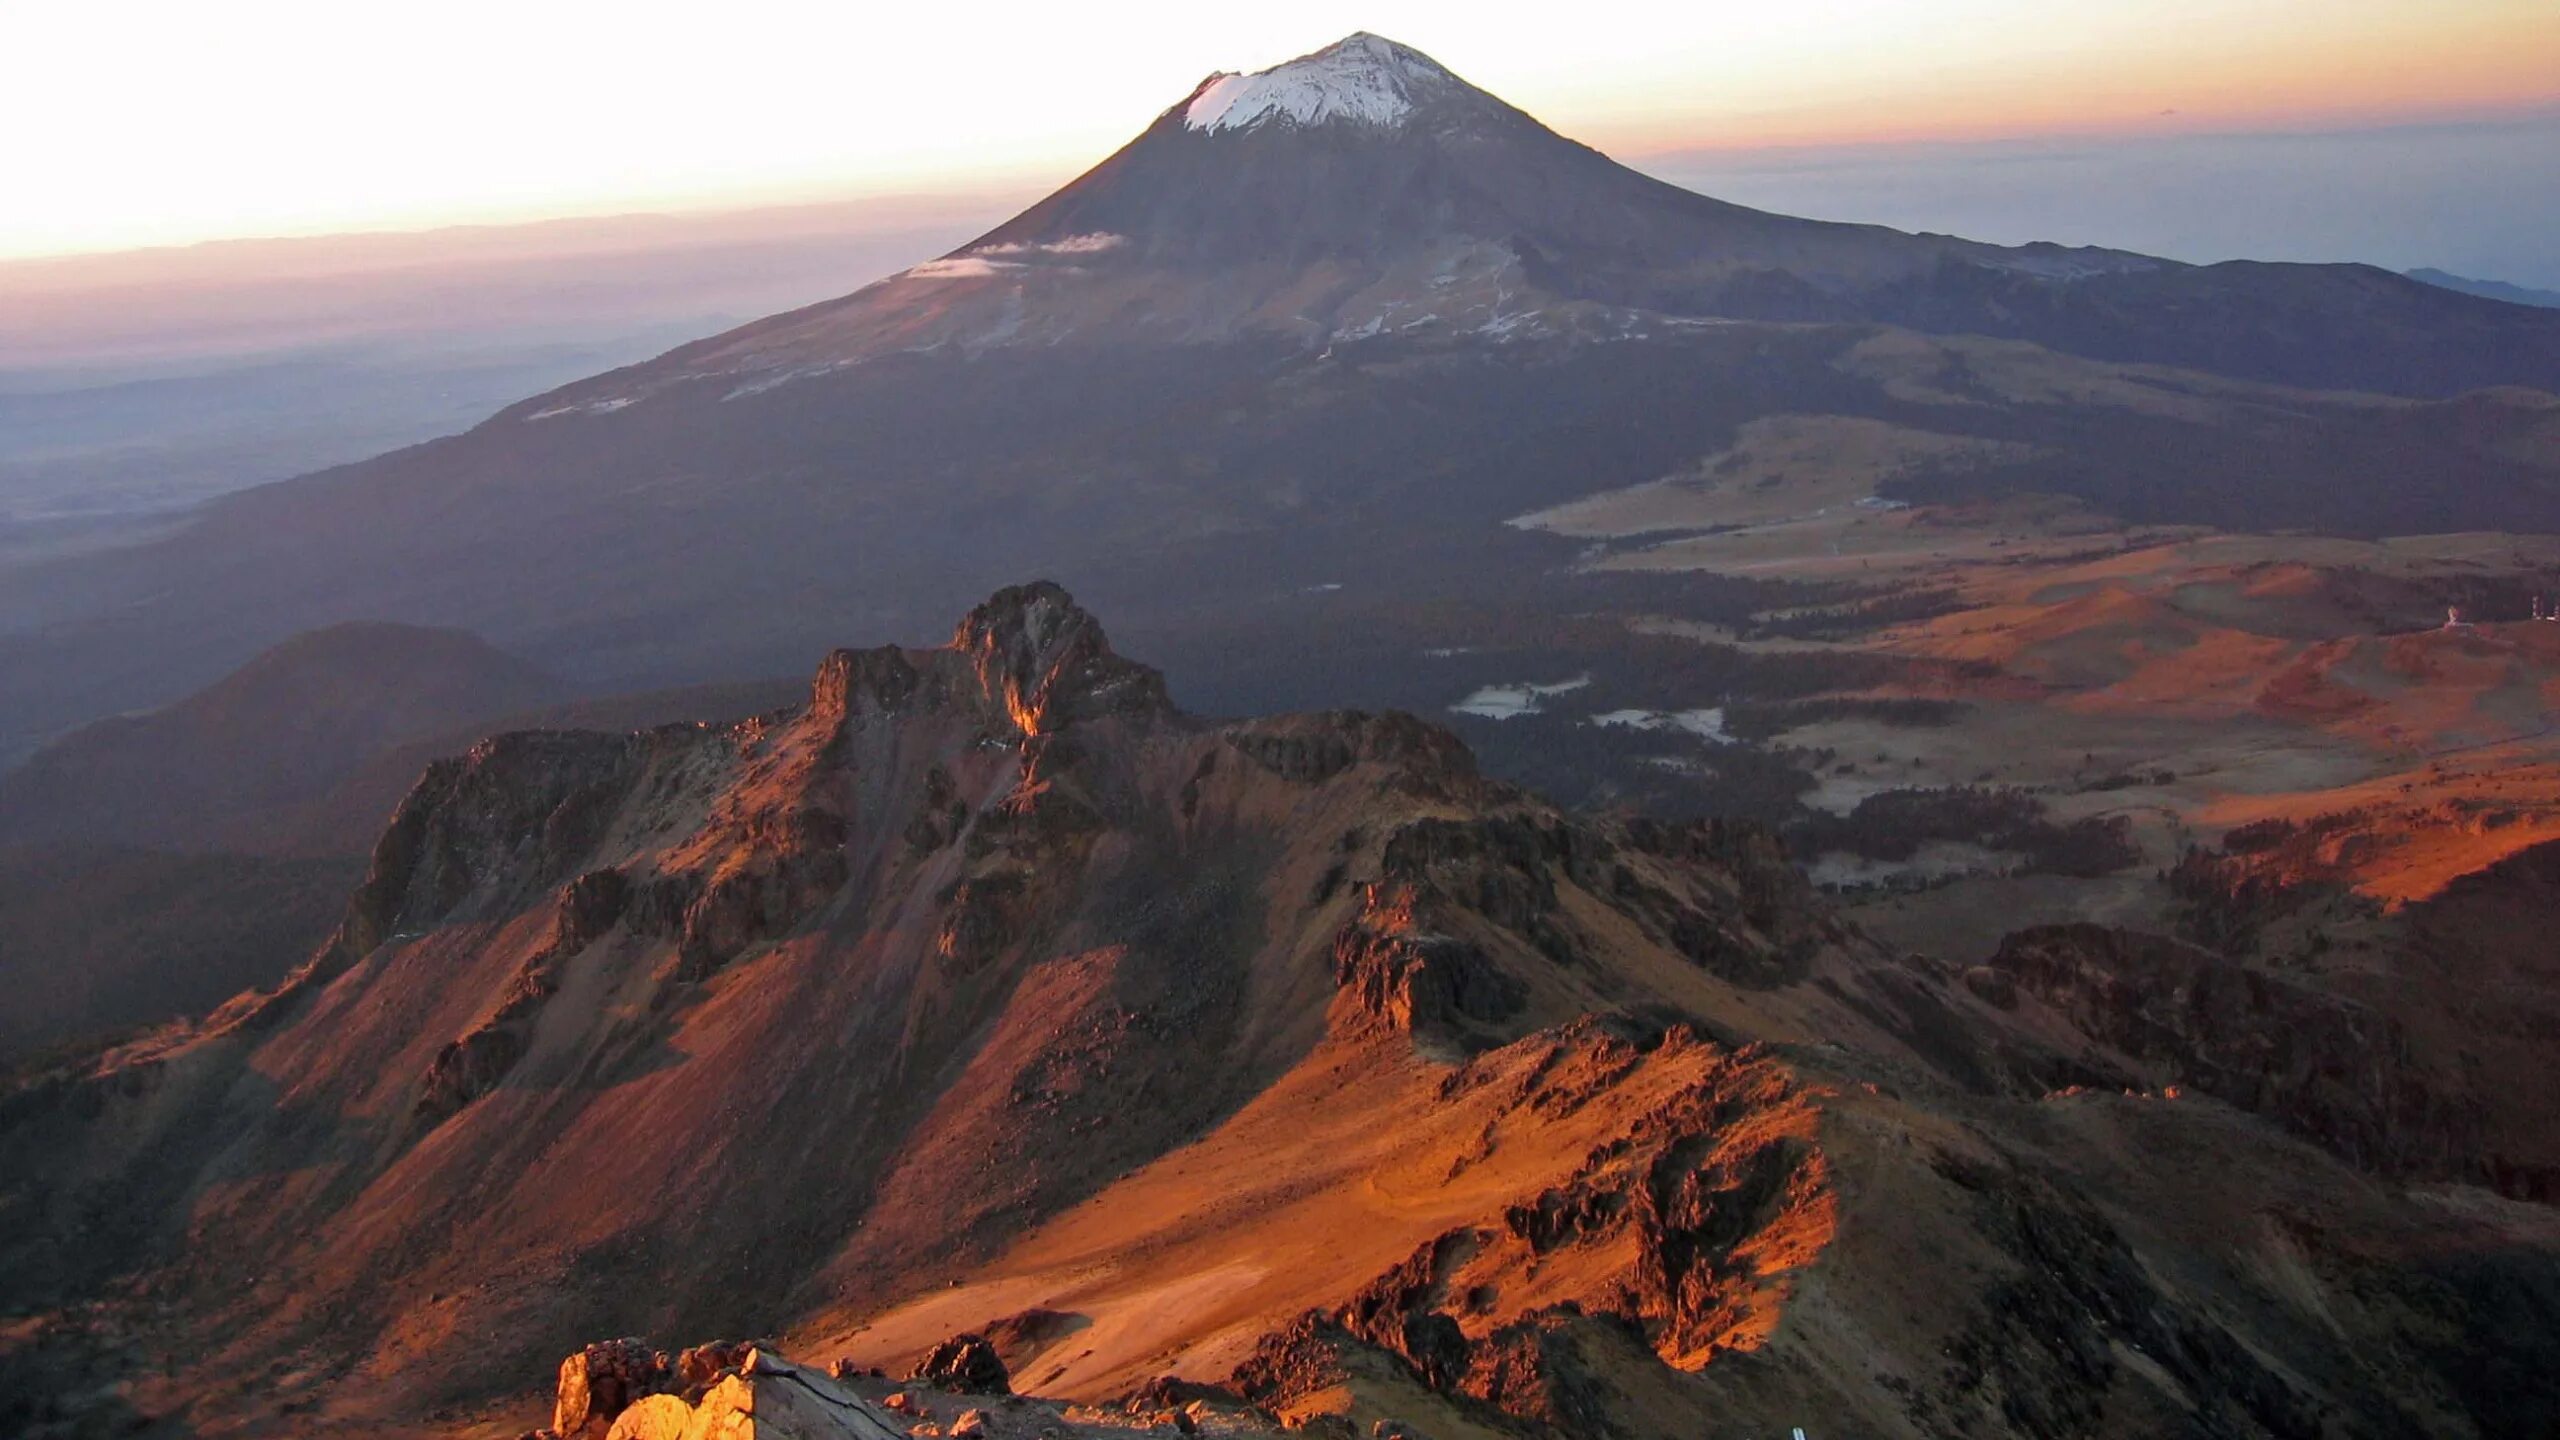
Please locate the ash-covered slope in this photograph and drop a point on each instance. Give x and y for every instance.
(986, 989)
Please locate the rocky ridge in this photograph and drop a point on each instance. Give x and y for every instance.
(986, 994)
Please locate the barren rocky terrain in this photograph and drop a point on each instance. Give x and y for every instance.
(1290, 1060)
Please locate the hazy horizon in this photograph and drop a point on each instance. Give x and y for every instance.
(793, 103)
(2474, 197)
(2477, 198)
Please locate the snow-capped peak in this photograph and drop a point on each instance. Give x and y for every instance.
(1365, 79)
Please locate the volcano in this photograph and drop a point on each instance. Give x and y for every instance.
(1365, 190)
(1329, 324)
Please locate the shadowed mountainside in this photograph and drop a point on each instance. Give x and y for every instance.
(211, 771)
(94, 940)
(152, 866)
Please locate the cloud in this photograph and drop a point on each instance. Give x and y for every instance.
(959, 267)
(1090, 244)
(981, 262)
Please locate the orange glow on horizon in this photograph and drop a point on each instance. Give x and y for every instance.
(170, 123)
(2449, 71)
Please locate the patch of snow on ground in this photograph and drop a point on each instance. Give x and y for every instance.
(591, 407)
(1506, 702)
(775, 380)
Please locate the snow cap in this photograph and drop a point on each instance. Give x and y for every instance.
(1362, 79)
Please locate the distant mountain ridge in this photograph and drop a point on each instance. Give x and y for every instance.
(211, 771)
(2489, 289)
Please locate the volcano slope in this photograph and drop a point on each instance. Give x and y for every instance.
(987, 991)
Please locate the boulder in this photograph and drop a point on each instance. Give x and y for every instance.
(765, 1397)
(599, 1382)
(967, 1363)
(655, 1417)
(699, 1367)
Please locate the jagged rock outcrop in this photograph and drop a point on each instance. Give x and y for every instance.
(784, 865)
(1398, 972)
(1758, 928)
(2076, 1308)
(1312, 749)
(505, 820)
(1043, 659)
(2318, 1064)
(1683, 1229)
(469, 823)
(465, 1069)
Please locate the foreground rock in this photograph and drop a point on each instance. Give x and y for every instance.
(624, 1390)
(601, 1381)
(619, 1390)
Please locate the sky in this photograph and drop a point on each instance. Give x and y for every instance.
(167, 122)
